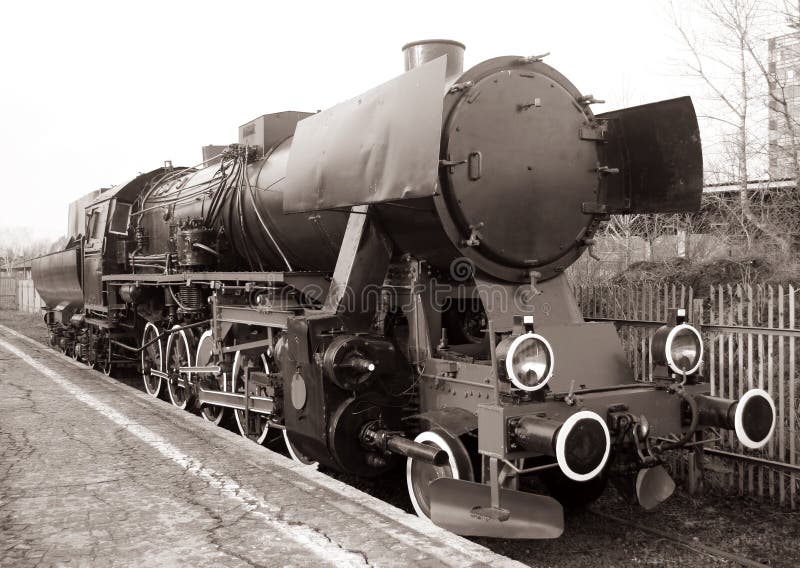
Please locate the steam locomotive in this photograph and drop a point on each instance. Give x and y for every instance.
(385, 281)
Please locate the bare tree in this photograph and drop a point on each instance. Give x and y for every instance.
(18, 244)
(6, 259)
(731, 63)
(619, 230)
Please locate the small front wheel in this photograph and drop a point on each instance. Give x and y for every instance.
(420, 475)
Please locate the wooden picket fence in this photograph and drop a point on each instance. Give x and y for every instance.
(749, 335)
(19, 294)
(8, 293)
(28, 299)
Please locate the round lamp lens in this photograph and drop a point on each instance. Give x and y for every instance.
(685, 349)
(531, 362)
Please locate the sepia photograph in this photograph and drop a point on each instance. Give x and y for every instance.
(403, 284)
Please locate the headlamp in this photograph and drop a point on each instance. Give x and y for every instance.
(529, 361)
(678, 347)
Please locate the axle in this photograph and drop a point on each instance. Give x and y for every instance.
(397, 443)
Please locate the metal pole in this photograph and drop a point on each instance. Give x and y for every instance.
(753, 459)
(247, 398)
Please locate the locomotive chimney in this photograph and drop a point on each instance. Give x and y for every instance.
(420, 52)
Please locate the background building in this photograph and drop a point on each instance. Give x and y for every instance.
(784, 66)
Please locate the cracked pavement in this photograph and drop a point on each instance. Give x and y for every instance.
(93, 472)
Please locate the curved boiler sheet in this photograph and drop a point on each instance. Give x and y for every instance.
(380, 146)
(57, 278)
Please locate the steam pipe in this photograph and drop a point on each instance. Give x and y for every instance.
(417, 451)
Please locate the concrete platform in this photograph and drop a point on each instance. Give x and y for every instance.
(93, 472)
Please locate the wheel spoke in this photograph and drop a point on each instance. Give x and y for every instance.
(204, 356)
(152, 358)
(257, 427)
(179, 355)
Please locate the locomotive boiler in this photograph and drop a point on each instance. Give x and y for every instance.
(385, 281)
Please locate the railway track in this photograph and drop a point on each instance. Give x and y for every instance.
(684, 541)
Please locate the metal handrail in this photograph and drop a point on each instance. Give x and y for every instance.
(787, 332)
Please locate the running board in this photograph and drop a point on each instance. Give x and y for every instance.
(207, 370)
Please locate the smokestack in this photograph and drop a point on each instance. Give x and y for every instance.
(420, 52)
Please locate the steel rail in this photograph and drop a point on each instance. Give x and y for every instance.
(752, 459)
(685, 541)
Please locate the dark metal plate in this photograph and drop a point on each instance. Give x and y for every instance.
(537, 167)
(657, 150)
(589, 354)
(454, 421)
(380, 146)
(57, 278)
(653, 486)
(270, 129)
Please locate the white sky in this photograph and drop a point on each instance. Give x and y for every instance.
(92, 93)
